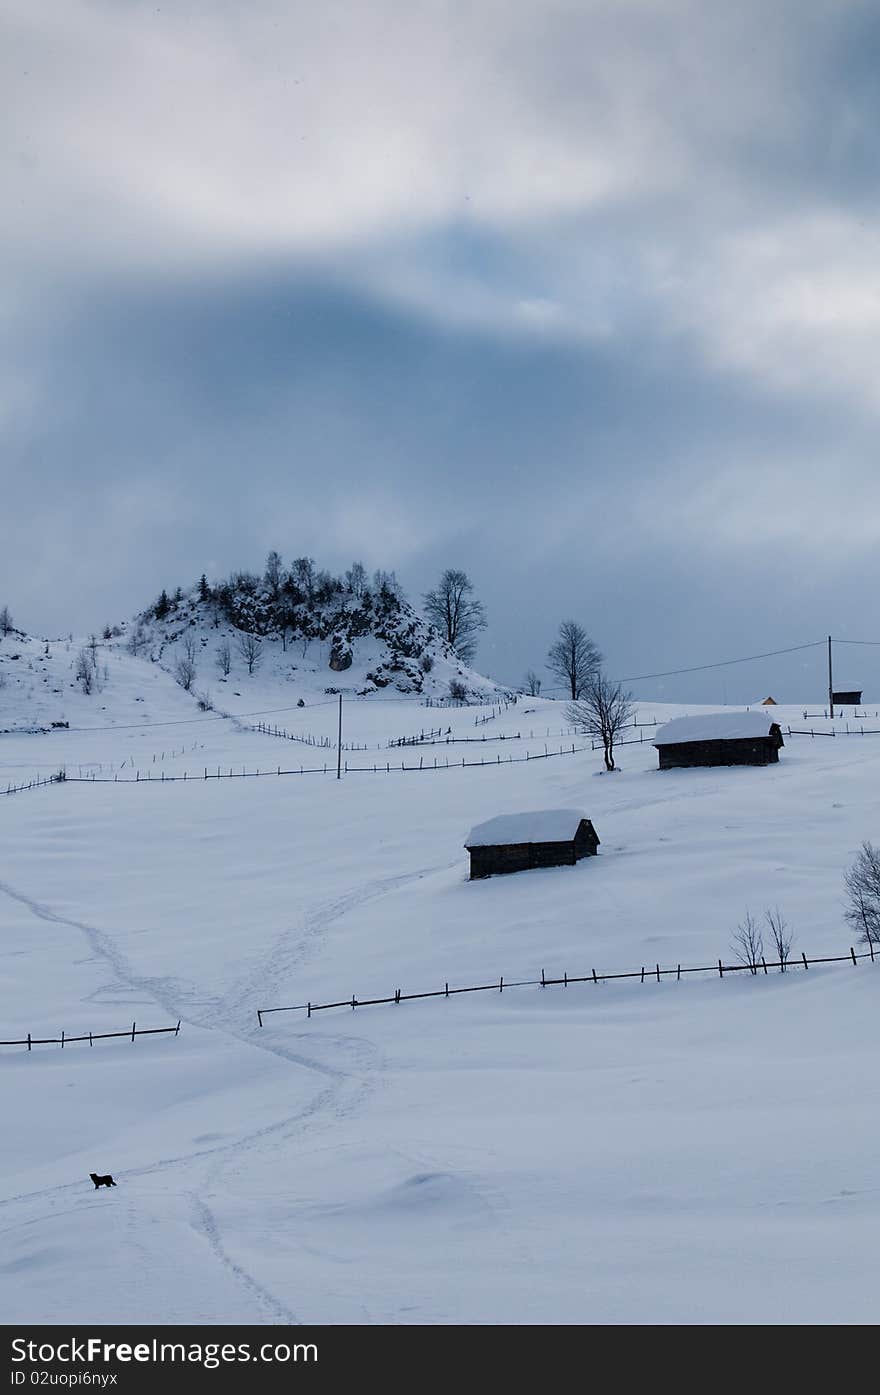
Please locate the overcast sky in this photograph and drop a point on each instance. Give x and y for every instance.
(582, 296)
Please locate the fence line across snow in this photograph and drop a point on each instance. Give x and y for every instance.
(377, 768)
(91, 1037)
(645, 974)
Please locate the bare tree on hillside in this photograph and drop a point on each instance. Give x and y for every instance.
(783, 936)
(185, 668)
(303, 573)
(274, 573)
(862, 882)
(6, 624)
(603, 710)
(573, 658)
(137, 640)
(286, 624)
(532, 684)
(84, 671)
(224, 657)
(251, 650)
(356, 579)
(185, 672)
(459, 617)
(748, 942)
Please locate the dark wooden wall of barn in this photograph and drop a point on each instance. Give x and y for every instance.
(519, 857)
(745, 751)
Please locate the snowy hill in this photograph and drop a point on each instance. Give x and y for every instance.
(694, 1151)
(332, 639)
(131, 673)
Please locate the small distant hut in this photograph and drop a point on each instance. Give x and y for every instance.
(851, 698)
(719, 738)
(544, 838)
(769, 702)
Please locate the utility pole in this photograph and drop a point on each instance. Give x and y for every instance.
(830, 682)
(339, 746)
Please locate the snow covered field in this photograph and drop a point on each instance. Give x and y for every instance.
(694, 1152)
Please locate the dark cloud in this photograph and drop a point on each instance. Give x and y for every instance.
(582, 299)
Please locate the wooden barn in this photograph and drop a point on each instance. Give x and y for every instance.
(545, 838)
(719, 738)
(851, 698)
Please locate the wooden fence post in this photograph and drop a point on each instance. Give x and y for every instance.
(133, 1025)
(62, 1038)
(804, 957)
(259, 1017)
(29, 1041)
(853, 953)
(720, 970)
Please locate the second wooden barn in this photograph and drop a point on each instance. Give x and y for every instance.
(719, 738)
(544, 838)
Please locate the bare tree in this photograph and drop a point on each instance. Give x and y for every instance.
(185, 672)
(286, 624)
(137, 640)
(574, 658)
(532, 683)
(224, 657)
(783, 936)
(303, 573)
(451, 607)
(748, 942)
(603, 710)
(356, 579)
(5, 621)
(84, 671)
(862, 882)
(274, 573)
(251, 650)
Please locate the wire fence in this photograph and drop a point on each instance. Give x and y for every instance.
(386, 767)
(31, 1041)
(321, 743)
(377, 768)
(643, 975)
(33, 784)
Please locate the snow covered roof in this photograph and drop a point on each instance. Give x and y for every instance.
(539, 826)
(715, 726)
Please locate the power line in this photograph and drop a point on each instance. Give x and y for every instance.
(724, 663)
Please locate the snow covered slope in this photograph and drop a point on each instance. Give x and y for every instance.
(696, 1151)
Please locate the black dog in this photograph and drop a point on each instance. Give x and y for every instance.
(102, 1181)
